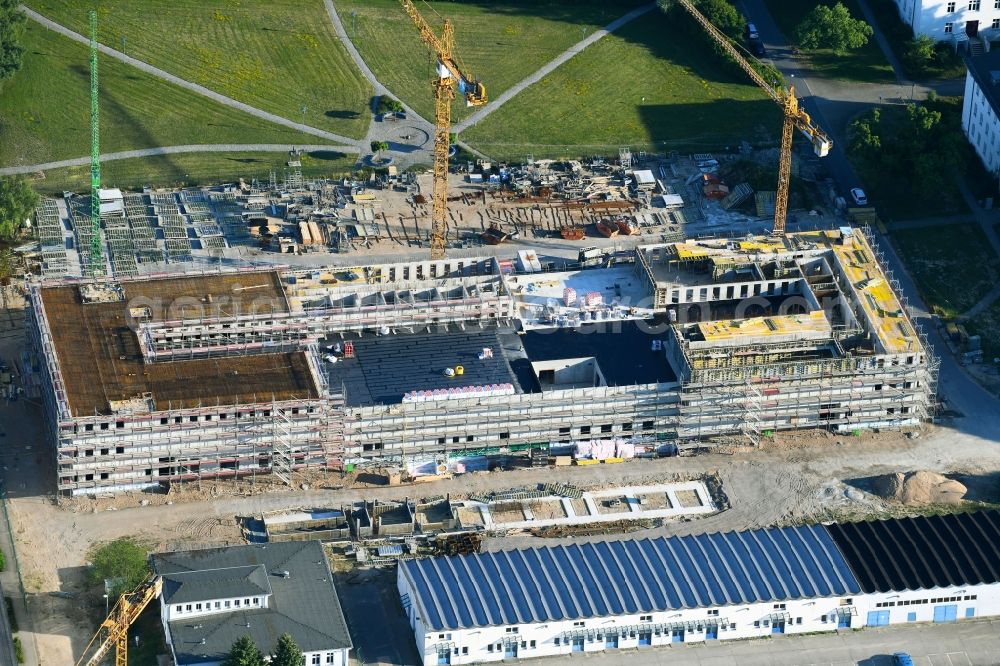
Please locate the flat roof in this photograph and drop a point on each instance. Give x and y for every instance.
(811, 326)
(304, 603)
(623, 351)
(875, 295)
(627, 576)
(102, 363)
(386, 367)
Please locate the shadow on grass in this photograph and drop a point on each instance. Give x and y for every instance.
(342, 114)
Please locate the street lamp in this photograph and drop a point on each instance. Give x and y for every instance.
(106, 610)
(354, 24)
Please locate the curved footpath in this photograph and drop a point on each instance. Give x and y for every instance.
(173, 150)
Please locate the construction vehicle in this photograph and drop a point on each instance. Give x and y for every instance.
(448, 75)
(114, 630)
(795, 116)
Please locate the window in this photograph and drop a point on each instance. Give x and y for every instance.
(236, 603)
(779, 606)
(489, 648)
(218, 605)
(329, 657)
(315, 660)
(465, 650)
(579, 624)
(947, 28)
(974, 5)
(645, 618)
(188, 608)
(951, 8)
(714, 612)
(440, 636)
(256, 601)
(996, 24)
(197, 607)
(178, 608)
(531, 644)
(513, 630)
(227, 603)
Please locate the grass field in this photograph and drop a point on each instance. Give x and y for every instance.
(865, 64)
(954, 266)
(191, 169)
(898, 33)
(499, 43)
(277, 56)
(654, 84)
(45, 108)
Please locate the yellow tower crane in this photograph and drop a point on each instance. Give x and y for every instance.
(795, 117)
(448, 74)
(114, 630)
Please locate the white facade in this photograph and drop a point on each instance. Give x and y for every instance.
(695, 625)
(940, 19)
(981, 124)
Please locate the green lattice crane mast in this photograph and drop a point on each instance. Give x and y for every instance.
(96, 255)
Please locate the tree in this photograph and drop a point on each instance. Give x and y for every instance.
(11, 27)
(244, 653)
(833, 28)
(122, 562)
(723, 16)
(378, 146)
(287, 653)
(17, 202)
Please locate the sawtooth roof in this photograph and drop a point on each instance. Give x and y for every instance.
(922, 553)
(627, 576)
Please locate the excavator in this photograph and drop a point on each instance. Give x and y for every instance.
(795, 116)
(449, 74)
(113, 632)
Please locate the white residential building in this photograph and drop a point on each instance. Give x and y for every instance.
(631, 593)
(213, 597)
(943, 19)
(981, 108)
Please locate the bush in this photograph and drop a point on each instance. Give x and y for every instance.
(18, 650)
(9, 603)
(122, 561)
(3, 562)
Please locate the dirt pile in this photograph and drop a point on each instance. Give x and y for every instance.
(919, 488)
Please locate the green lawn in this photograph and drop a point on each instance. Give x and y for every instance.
(192, 169)
(987, 326)
(656, 83)
(954, 266)
(865, 64)
(45, 108)
(277, 56)
(500, 43)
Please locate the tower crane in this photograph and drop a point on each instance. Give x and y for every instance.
(795, 117)
(113, 632)
(448, 74)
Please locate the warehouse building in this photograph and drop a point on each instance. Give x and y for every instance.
(213, 597)
(629, 593)
(158, 380)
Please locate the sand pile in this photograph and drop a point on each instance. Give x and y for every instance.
(919, 488)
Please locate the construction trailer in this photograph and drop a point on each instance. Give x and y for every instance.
(166, 379)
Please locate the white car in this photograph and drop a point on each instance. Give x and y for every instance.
(859, 196)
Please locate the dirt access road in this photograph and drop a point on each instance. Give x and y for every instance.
(793, 480)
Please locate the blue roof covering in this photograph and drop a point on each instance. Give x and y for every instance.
(610, 578)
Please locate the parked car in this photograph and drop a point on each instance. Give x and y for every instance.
(859, 196)
(752, 31)
(902, 659)
(757, 48)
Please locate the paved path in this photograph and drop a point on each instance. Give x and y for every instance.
(188, 85)
(173, 150)
(545, 69)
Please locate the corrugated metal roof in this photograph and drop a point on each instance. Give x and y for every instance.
(627, 576)
(922, 553)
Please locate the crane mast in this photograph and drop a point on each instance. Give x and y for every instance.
(96, 255)
(794, 117)
(113, 633)
(448, 75)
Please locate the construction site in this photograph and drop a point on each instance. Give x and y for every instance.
(443, 366)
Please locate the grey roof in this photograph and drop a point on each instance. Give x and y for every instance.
(228, 583)
(303, 604)
(627, 576)
(982, 69)
(385, 367)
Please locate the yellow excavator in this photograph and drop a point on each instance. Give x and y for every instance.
(795, 116)
(449, 74)
(114, 630)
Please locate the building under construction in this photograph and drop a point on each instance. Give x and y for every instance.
(163, 379)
